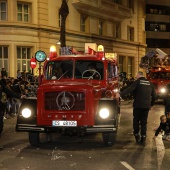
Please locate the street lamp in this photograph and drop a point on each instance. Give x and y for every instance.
(59, 42)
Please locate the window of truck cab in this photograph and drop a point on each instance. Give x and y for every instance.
(83, 69)
(59, 70)
(112, 71)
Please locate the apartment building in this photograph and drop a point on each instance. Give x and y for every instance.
(30, 25)
(158, 25)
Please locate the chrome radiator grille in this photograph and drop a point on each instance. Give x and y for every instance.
(64, 100)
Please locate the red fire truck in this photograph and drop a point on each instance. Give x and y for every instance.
(77, 94)
(160, 77)
(157, 63)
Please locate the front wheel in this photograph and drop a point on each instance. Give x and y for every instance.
(109, 138)
(34, 138)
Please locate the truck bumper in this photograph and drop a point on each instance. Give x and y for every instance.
(45, 129)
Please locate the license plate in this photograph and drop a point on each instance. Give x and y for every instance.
(64, 123)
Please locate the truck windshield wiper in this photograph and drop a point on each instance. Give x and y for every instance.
(65, 73)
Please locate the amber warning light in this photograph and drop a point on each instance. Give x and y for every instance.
(53, 53)
(100, 50)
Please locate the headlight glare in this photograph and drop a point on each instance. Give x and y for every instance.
(116, 90)
(162, 90)
(26, 113)
(104, 113)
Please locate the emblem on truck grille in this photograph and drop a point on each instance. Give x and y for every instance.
(65, 100)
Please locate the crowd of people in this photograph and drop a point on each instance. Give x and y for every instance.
(12, 90)
(21, 86)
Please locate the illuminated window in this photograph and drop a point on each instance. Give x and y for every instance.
(151, 11)
(155, 11)
(23, 10)
(4, 61)
(162, 27)
(3, 10)
(23, 58)
(157, 27)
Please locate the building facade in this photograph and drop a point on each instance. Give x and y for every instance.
(30, 25)
(158, 25)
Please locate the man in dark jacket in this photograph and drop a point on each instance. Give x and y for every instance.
(144, 98)
(10, 93)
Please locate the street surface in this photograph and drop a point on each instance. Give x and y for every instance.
(66, 153)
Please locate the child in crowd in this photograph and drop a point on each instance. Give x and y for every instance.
(163, 126)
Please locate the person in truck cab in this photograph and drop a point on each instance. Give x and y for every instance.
(57, 73)
(92, 72)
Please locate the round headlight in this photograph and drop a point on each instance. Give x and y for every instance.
(26, 113)
(104, 113)
(163, 90)
(116, 90)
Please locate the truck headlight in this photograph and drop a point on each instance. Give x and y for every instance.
(116, 90)
(104, 113)
(162, 90)
(26, 113)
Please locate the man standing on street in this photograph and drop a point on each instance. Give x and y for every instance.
(144, 98)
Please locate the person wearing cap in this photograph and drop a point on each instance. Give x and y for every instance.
(144, 98)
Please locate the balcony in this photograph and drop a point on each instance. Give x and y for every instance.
(158, 35)
(103, 9)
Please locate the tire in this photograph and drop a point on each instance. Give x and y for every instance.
(34, 138)
(109, 138)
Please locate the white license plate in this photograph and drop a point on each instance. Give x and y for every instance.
(64, 123)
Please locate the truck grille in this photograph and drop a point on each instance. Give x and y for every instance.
(64, 100)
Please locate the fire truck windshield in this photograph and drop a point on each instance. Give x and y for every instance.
(81, 69)
(159, 75)
(89, 69)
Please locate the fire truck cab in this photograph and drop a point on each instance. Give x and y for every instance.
(160, 77)
(77, 94)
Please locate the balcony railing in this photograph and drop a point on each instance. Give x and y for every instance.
(103, 9)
